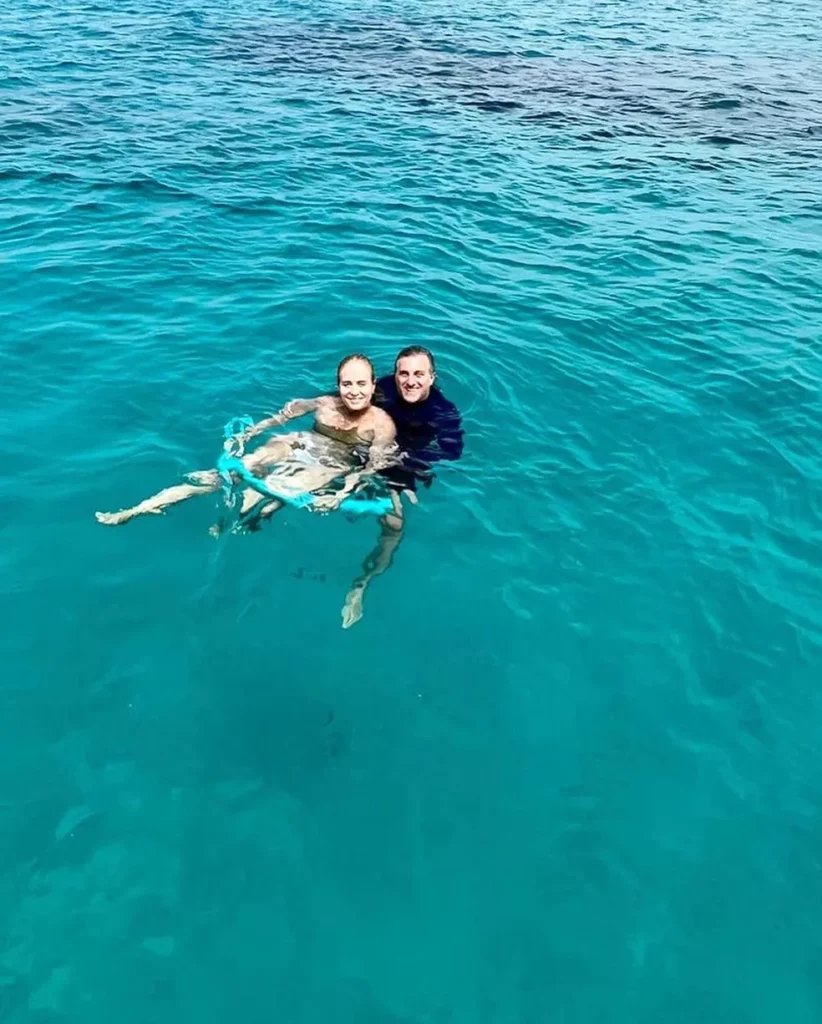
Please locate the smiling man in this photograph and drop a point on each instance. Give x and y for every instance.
(429, 430)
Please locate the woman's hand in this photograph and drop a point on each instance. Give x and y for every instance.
(328, 502)
(291, 410)
(261, 427)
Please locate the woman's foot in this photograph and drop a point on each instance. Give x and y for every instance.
(204, 477)
(123, 516)
(113, 518)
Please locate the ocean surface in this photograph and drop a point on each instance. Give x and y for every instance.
(568, 767)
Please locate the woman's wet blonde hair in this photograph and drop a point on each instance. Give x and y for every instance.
(350, 359)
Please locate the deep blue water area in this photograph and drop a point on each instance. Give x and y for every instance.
(567, 767)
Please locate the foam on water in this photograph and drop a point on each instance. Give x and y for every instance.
(566, 768)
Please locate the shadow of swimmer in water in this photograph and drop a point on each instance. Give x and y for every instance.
(393, 430)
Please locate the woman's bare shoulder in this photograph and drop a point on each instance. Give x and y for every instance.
(327, 403)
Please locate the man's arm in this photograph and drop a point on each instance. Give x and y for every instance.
(447, 443)
(290, 411)
(450, 437)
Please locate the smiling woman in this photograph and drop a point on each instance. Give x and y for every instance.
(300, 463)
(356, 381)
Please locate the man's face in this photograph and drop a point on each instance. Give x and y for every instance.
(414, 378)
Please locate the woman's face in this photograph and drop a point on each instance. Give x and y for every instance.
(356, 385)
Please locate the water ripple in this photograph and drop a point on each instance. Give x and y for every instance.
(606, 224)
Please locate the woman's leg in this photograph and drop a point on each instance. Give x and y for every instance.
(249, 519)
(274, 461)
(207, 483)
(289, 478)
(277, 450)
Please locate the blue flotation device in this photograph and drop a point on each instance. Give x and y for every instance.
(230, 465)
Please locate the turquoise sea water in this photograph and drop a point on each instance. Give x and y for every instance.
(567, 768)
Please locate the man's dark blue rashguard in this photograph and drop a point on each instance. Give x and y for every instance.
(427, 432)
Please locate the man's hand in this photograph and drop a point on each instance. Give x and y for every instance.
(352, 609)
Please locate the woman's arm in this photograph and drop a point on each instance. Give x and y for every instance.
(290, 411)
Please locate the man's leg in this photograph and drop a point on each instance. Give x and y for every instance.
(207, 483)
(377, 562)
